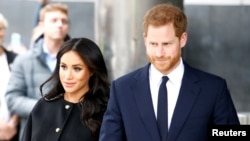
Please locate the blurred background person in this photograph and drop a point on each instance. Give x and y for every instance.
(42, 3)
(8, 122)
(80, 84)
(37, 30)
(32, 68)
(16, 44)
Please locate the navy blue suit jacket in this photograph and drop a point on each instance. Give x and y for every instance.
(204, 100)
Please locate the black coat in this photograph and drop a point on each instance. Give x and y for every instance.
(10, 55)
(55, 120)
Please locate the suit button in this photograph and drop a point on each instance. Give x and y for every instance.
(67, 106)
(58, 129)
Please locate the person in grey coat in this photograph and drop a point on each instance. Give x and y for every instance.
(32, 68)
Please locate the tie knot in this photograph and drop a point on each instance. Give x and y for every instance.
(164, 79)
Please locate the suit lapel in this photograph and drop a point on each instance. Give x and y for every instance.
(144, 103)
(187, 96)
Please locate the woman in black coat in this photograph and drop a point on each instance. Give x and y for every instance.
(74, 97)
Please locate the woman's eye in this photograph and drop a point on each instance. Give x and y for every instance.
(63, 67)
(77, 69)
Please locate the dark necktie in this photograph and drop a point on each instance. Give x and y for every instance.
(162, 109)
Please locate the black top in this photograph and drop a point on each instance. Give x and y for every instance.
(56, 120)
(10, 55)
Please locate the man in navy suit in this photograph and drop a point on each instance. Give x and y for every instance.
(197, 100)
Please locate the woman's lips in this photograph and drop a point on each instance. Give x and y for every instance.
(68, 84)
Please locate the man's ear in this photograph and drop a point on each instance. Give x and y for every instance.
(183, 39)
(144, 37)
(40, 23)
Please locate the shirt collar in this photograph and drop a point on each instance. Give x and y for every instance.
(175, 76)
(46, 52)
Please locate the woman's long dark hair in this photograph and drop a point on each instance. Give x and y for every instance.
(94, 103)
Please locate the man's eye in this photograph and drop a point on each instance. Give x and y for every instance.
(153, 44)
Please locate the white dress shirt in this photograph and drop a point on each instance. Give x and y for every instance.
(173, 87)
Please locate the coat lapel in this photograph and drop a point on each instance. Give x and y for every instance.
(144, 103)
(187, 96)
